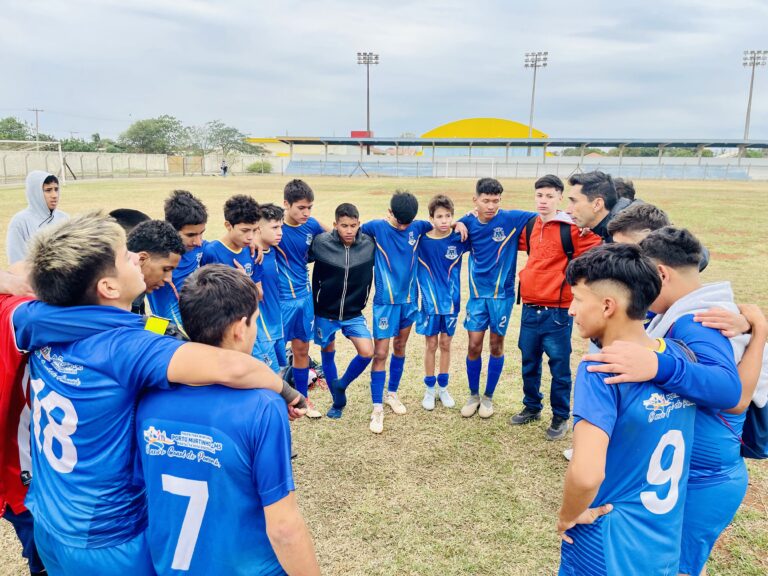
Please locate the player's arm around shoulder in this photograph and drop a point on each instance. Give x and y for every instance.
(583, 242)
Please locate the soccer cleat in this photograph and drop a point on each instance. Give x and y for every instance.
(377, 421)
(312, 412)
(393, 402)
(294, 453)
(428, 403)
(486, 408)
(568, 454)
(471, 406)
(445, 398)
(558, 429)
(334, 413)
(525, 416)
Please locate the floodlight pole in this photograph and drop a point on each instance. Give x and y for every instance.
(752, 59)
(367, 58)
(534, 60)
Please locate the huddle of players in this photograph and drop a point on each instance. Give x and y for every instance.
(634, 446)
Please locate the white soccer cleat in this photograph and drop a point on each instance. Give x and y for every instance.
(486, 408)
(568, 454)
(471, 406)
(313, 412)
(393, 402)
(428, 403)
(377, 421)
(445, 398)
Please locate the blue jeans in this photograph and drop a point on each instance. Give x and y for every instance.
(546, 331)
(24, 526)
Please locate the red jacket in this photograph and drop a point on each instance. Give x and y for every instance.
(542, 281)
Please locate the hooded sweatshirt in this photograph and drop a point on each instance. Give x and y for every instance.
(25, 224)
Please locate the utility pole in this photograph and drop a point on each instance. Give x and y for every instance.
(534, 60)
(37, 125)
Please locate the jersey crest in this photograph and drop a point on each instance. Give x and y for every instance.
(498, 234)
(451, 253)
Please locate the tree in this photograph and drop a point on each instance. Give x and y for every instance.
(162, 135)
(14, 129)
(228, 139)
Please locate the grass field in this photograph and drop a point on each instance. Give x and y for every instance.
(437, 494)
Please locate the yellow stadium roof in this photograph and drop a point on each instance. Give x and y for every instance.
(483, 128)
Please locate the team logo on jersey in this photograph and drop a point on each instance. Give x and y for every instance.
(156, 441)
(309, 238)
(451, 253)
(60, 368)
(660, 406)
(383, 323)
(248, 269)
(498, 234)
(411, 238)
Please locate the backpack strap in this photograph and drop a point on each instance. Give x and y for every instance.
(528, 231)
(566, 240)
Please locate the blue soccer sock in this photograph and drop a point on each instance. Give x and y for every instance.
(396, 364)
(378, 379)
(301, 380)
(429, 381)
(442, 380)
(473, 375)
(328, 360)
(356, 367)
(495, 366)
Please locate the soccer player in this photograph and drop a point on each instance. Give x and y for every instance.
(241, 217)
(341, 282)
(591, 197)
(270, 340)
(439, 280)
(216, 461)
(552, 241)
(159, 250)
(89, 514)
(43, 198)
(395, 301)
(631, 442)
(493, 238)
(129, 218)
(189, 217)
(295, 298)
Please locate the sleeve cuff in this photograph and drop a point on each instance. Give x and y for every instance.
(666, 368)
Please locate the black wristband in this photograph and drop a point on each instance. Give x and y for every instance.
(290, 394)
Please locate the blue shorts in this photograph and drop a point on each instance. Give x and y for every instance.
(267, 353)
(709, 508)
(434, 324)
(389, 319)
(325, 329)
(298, 318)
(131, 557)
(493, 313)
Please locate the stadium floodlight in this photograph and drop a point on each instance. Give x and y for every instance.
(752, 59)
(534, 60)
(367, 59)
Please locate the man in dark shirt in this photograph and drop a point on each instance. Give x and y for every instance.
(590, 199)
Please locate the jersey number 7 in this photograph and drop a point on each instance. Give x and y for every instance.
(197, 492)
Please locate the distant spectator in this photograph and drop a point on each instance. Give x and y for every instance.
(224, 168)
(43, 199)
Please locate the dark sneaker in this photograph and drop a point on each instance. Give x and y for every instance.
(558, 429)
(526, 416)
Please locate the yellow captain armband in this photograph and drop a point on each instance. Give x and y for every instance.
(662, 345)
(156, 324)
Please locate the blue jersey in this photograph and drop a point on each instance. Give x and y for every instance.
(293, 254)
(85, 389)
(212, 458)
(646, 475)
(395, 264)
(270, 316)
(165, 300)
(493, 259)
(439, 273)
(217, 252)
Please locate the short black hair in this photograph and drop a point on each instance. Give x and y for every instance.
(50, 179)
(404, 206)
(549, 181)
(297, 190)
(241, 209)
(214, 297)
(624, 188)
(624, 264)
(129, 218)
(440, 201)
(271, 212)
(183, 209)
(673, 247)
(489, 186)
(596, 184)
(638, 217)
(156, 237)
(346, 210)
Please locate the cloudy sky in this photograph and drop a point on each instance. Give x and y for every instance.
(637, 69)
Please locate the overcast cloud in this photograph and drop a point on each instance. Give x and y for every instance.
(639, 69)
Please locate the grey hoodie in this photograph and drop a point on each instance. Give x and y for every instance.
(717, 294)
(28, 222)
